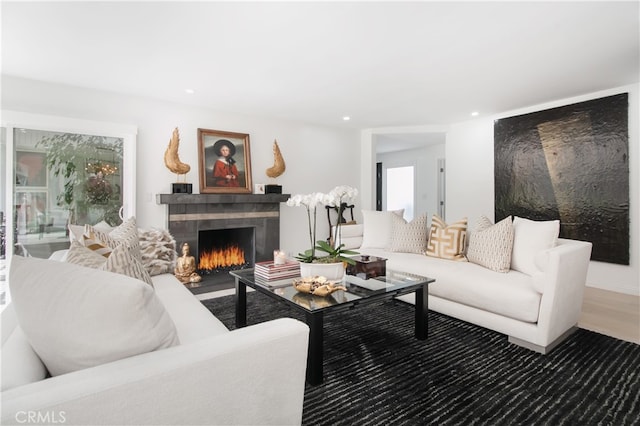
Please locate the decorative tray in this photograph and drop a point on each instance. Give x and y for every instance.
(318, 286)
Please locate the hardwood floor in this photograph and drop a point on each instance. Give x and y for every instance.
(611, 313)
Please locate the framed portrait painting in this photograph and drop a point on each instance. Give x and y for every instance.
(224, 162)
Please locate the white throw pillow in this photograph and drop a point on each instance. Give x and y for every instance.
(399, 212)
(491, 245)
(530, 237)
(75, 233)
(409, 237)
(377, 229)
(77, 317)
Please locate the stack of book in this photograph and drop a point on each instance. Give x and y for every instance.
(269, 271)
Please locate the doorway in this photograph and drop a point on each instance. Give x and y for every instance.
(400, 194)
(422, 150)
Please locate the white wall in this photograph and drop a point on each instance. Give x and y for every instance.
(470, 185)
(425, 161)
(317, 158)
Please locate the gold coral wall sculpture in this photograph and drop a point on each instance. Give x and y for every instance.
(278, 167)
(171, 158)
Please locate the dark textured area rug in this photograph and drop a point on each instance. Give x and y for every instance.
(377, 373)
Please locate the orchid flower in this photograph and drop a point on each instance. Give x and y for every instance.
(335, 198)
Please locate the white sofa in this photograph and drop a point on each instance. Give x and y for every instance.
(253, 375)
(535, 310)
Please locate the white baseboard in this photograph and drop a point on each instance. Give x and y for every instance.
(631, 290)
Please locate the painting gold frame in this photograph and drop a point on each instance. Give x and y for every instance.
(218, 173)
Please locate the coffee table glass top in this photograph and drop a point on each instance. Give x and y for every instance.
(357, 288)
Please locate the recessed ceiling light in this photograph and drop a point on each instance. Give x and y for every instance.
(189, 91)
(475, 114)
(346, 118)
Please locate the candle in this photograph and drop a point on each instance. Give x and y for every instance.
(279, 257)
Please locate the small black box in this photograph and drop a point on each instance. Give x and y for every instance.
(181, 188)
(273, 189)
(368, 267)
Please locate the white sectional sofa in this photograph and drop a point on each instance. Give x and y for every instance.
(204, 374)
(536, 310)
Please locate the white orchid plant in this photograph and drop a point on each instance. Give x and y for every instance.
(335, 198)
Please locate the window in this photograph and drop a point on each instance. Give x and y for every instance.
(59, 172)
(61, 179)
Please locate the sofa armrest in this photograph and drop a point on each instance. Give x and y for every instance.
(253, 375)
(562, 286)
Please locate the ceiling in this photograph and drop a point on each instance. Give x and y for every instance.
(384, 64)
(392, 142)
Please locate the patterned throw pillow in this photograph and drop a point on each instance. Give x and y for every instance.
(84, 256)
(158, 250)
(127, 232)
(490, 245)
(409, 237)
(125, 257)
(92, 243)
(447, 241)
(120, 260)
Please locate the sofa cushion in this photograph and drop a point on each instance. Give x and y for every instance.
(531, 237)
(447, 241)
(510, 294)
(76, 317)
(409, 237)
(491, 245)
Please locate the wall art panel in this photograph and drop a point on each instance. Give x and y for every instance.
(569, 163)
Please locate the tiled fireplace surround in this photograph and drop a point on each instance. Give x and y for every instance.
(191, 213)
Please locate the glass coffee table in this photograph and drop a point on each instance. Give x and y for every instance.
(360, 292)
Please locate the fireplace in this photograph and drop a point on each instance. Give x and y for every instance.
(190, 215)
(224, 250)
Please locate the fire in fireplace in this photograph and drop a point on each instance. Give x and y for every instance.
(221, 250)
(221, 258)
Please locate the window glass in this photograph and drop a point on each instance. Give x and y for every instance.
(62, 179)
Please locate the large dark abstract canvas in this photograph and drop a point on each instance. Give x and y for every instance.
(569, 163)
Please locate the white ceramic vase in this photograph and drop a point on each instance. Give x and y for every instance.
(332, 271)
